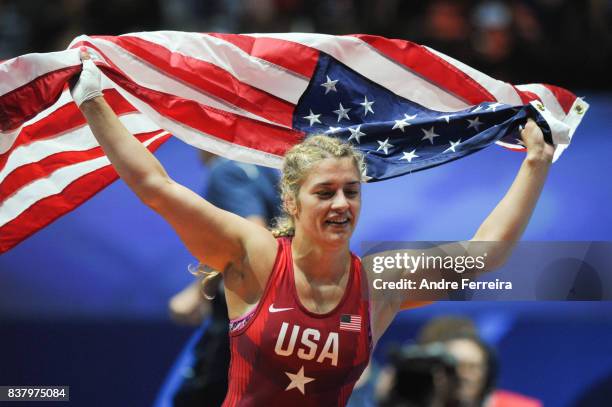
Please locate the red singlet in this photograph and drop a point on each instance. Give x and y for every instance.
(286, 355)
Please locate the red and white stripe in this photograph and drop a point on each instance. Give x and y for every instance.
(50, 166)
(231, 94)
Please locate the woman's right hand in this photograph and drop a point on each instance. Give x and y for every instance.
(89, 84)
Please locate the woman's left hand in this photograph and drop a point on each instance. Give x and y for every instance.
(537, 148)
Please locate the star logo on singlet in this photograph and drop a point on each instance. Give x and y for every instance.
(298, 380)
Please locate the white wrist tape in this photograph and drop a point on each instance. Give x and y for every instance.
(89, 84)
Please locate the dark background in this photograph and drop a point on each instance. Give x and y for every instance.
(564, 42)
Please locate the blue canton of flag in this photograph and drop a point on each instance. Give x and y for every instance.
(396, 135)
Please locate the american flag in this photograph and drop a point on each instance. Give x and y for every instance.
(250, 98)
(349, 322)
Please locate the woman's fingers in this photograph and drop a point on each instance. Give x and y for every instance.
(533, 139)
(89, 83)
(84, 54)
(531, 132)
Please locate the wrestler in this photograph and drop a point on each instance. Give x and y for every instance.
(302, 329)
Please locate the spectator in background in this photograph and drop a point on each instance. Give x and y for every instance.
(447, 28)
(449, 367)
(14, 30)
(494, 40)
(567, 42)
(504, 33)
(476, 365)
(251, 192)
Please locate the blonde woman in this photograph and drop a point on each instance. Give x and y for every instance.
(302, 328)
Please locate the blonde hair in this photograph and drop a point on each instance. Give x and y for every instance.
(298, 161)
(208, 275)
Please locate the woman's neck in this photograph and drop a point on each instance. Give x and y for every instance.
(319, 263)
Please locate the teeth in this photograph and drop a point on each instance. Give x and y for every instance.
(338, 221)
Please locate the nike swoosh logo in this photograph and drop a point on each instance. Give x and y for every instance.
(272, 309)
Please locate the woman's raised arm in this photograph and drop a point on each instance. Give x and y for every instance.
(214, 236)
(506, 223)
(501, 230)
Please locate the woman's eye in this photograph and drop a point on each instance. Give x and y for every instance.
(351, 194)
(325, 194)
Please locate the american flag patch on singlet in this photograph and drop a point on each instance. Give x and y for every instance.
(349, 322)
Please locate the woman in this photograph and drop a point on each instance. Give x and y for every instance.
(302, 330)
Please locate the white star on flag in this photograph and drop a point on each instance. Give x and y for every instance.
(400, 124)
(367, 106)
(384, 145)
(409, 156)
(329, 85)
(356, 133)
(298, 380)
(342, 113)
(453, 144)
(364, 176)
(494, 106)
(429, 135)
(314, 118)
(333, 129)
(446, 117)
(476, 123)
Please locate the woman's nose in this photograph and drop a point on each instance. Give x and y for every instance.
(340, 202)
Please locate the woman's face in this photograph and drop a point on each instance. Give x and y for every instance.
(328, 202)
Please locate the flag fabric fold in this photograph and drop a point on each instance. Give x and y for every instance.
(250, 98)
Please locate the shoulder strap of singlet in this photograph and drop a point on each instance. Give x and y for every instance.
(276, 274)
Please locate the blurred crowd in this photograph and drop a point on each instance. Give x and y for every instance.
(564, 42)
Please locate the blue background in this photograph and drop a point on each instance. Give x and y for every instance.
(84, 301)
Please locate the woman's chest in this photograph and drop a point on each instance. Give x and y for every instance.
(289, 340)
